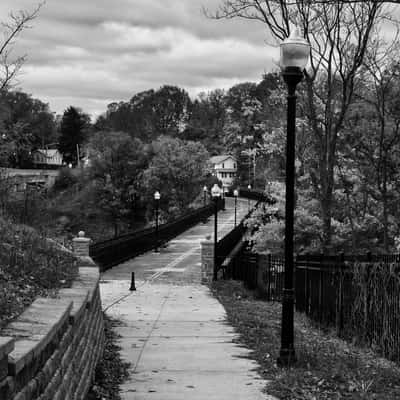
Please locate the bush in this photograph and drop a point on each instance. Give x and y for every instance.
(30, 266)
(65, 179)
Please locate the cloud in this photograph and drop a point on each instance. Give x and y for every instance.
(86, 54)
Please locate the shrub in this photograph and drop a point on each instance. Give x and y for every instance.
(65, 179)
(30, 266)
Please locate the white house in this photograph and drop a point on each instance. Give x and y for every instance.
(224, 167)
(46, 157)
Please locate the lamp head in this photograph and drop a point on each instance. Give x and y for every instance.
(216, 191)
(295, 51)
(249, 186)
(236, 193)
(205, 189)
(157, 195)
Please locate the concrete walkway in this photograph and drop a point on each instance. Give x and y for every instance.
(174, 333)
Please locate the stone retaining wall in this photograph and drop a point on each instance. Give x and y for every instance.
(50, 351)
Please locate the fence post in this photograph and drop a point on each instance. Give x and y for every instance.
(320, 288)
(255, 272)
(339, 304)
(295, 282)
(269, 275)
(261, 272)
(207, 260)
(306, 289)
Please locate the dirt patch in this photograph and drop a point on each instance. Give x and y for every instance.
(111, 371)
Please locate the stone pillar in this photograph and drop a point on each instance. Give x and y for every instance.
(207, 260)
(80, 245)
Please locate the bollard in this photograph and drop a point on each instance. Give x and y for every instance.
(133, 287)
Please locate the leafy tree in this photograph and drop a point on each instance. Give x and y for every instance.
(370, 149)
(117, 162)
(178, 171)
(340, 33)
(73, 129)
(206, 121)
(25, 124)
(150, 114)
(253, 127)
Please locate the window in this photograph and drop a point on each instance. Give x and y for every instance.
(223, 165)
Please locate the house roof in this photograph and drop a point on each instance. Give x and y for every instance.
(49, 153)
(220, 159)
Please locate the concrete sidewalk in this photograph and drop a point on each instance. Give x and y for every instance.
(174, 333)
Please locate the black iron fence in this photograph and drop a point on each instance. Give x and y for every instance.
(228, 247)
(226, 244)
(358, 295)
(261, 272)
(253, 194)
(114, 251)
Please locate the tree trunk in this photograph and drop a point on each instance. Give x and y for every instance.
(326, 214)
(385, 208)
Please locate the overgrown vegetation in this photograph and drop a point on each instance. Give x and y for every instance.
(114, 193)
(111, 370)
(30, 266)
(375, 307)
(327, 367)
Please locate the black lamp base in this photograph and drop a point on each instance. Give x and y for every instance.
(287, 358)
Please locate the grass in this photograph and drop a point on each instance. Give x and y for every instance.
(111, 371)
(327, 367)
(30, 266)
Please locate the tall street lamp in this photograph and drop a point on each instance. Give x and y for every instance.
(157, 204)
(235, 195)
(248, 198)
(215, 194)
(295, 52)
(205, 195)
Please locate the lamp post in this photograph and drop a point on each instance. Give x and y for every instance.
(248, 198)
(295, 51)
(205, 195)
(157, 204)
(235, 195)
(215, 194)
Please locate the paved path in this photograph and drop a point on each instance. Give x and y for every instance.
(173, 331)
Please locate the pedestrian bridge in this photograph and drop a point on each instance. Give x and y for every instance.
(173, 331)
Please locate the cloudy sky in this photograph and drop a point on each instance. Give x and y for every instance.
(88, 53)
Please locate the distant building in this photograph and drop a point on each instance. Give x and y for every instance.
(18, 180)
(224, 167)
(47, 158)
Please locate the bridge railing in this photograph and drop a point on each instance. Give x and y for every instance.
(115, 251)
(229, 245)
(252, 194)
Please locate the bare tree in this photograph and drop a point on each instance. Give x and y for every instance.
(339, 33)
(11, 29)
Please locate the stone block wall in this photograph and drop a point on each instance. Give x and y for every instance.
(50, 351)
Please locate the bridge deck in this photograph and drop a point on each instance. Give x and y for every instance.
(174, 333)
